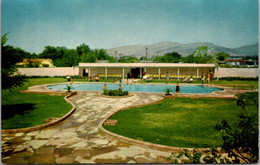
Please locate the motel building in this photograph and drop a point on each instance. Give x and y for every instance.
(136, 70)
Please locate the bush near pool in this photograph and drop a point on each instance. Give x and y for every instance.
(115, 93)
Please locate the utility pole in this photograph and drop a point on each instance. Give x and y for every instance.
(116, 55)
(119, 57)
(146, 53)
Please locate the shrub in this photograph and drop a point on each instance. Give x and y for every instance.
(239, 78)
(242, 137)
(168, 90)
(104, 92)
(76, 77)
(209, 156)
(115, 93)
(38, 76)
(68, 87)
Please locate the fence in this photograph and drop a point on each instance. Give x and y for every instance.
(59, 71)
(236, 72)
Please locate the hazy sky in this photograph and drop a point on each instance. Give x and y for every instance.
(34, 24)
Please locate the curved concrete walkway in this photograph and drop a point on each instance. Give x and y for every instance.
(78, 140)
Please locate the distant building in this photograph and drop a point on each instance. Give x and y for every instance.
(36, 63)
(235, 61)
(240, 62)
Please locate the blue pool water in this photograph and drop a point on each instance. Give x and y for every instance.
(137, 87)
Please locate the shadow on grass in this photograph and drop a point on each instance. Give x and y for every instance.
(9, 111)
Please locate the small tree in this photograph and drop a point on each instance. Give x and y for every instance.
(200, 55)
(173, 57)
(89, 57)
(68, 87)
(222, 56)
(10, 57)
(241, 139)
(168, 91)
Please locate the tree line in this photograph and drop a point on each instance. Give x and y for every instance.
(64, 57)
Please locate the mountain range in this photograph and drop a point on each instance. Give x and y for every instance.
(183, 49)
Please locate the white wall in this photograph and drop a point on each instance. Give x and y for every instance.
(59, 71)
(65, 71)
(236, 72)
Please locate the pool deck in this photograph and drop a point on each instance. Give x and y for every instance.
(78, 139)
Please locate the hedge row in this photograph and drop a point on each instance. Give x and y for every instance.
(239, 78)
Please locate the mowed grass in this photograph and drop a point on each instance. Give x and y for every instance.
(181, 122)
(239, 82)
(21, 110)
(216, 82)
(93, 81)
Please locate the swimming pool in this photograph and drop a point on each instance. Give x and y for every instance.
(137, 87)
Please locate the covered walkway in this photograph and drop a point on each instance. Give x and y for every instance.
(137, 70)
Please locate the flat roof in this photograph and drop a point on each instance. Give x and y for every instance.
(235, 60)
(147, 65)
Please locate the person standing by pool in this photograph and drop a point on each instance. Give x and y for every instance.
(211, 77)
(167, 78)
(105, 87)
(177, 88)
(127, 77)
(202, 78)
(120, 87)
(133, 82)
(208, 78)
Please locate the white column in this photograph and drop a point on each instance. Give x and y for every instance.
(123, 76)
(106, 72)
(217, 71)
(197, 73)
(88, 72)
(178, 73)
(145, 70)
(80, 72)
(159, 73)
(140, 73)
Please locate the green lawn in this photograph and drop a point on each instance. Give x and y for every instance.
(241, 82)
(101, 80)
(181, 122)
(20, 110)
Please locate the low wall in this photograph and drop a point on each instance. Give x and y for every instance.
(59, 71)
(65, 71)
(236, 72)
